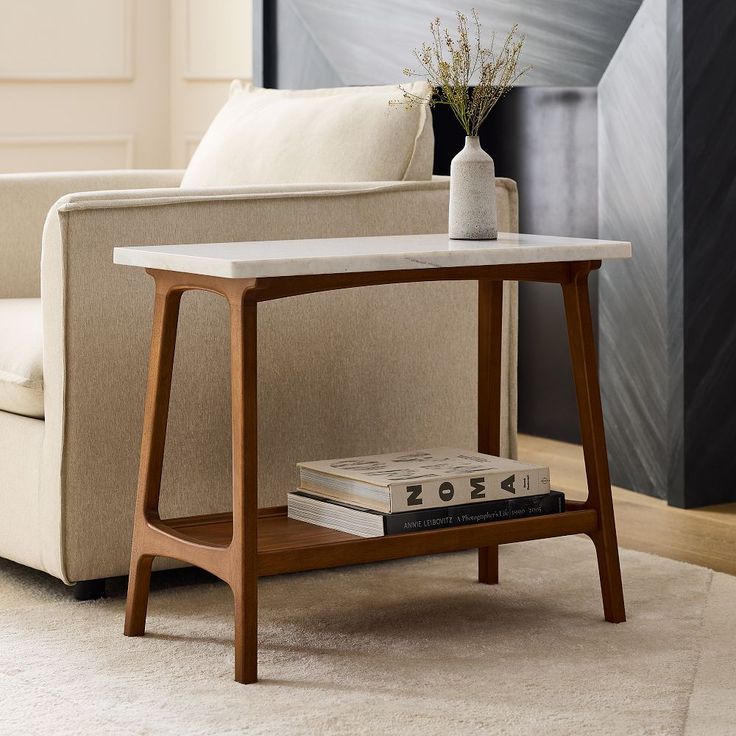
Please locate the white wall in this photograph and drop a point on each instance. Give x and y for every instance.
(96, 84)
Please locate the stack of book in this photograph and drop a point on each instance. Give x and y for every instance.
(415, 491)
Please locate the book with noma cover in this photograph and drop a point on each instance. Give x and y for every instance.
(409, 481)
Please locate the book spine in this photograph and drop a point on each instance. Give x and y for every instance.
(444, 517)
(484, 487)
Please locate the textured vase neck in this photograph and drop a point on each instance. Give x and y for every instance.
(472, 150)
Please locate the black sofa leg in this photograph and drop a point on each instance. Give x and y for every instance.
(89, 590)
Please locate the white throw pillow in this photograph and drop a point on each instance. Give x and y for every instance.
(268, 136)
(21, 357)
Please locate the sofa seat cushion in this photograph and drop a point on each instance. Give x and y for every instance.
(346, 134)
(21, 357)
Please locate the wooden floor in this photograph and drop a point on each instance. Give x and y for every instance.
(701, 536)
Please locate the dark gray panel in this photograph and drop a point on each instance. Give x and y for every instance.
(554, 161)
(709, 265)
(264, 57)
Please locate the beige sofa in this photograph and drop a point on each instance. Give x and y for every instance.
(360, 371)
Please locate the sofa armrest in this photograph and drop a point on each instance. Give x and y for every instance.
(340, 361)
(25, 200)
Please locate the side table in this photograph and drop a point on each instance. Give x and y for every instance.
(237, 547)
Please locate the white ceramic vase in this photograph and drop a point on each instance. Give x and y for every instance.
(473, 194)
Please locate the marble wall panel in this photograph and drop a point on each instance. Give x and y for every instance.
(675, 234)
(633, 345)
(369, 41)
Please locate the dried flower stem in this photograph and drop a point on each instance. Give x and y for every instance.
(452, 65)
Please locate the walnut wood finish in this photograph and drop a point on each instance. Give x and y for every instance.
(243, 577)
(155, 417)
(235, 562)
(585, 370)
(490, 326)
(238, 547)
(287, 545)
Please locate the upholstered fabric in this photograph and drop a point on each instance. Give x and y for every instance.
(25, 200)
(21, 444)
(266, 136)
(21, 357)
(363, 366)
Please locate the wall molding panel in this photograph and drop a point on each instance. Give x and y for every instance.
(66, 152)
(57, 51)
(211, 44)
(94, 84)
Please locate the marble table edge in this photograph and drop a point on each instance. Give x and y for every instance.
(156, 257)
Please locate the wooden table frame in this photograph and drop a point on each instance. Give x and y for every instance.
(239, 547)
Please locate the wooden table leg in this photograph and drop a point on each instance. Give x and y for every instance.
(244, 545)
(155, 417)
(490, 327)
(585, 371)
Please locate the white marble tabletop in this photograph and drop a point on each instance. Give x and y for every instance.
(260, 259)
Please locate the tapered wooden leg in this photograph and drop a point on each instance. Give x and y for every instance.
(244, 546)
(156, 412)
(585, 370)
(490, 325)
(139, 583)
(488, 564)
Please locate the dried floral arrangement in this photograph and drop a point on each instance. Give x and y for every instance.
(464, 74)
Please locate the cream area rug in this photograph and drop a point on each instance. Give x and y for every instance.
(409, 647)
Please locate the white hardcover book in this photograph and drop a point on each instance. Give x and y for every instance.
(410, 481)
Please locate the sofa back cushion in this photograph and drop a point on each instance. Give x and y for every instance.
(267, 136)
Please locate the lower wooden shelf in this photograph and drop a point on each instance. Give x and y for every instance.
(286, 545)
